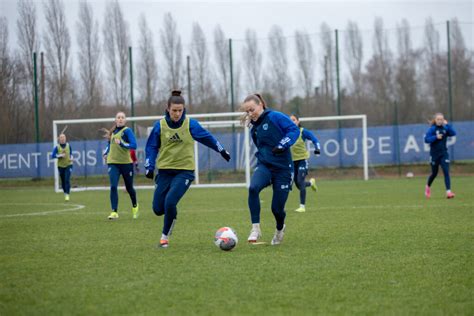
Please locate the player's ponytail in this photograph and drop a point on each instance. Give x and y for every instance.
(298, 118)
(258, 99)
(176, 98)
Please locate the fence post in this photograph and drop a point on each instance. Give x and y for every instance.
(232, 101)
(37, 131)
(188, 69)
(338, 100)
(132, 102)
(450, 83)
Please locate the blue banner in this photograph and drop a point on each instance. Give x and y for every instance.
(387, 145)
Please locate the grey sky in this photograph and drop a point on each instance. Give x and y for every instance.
(235, 17)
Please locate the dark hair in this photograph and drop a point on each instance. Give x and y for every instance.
(175, 98)
(257, 98)
(297, 117)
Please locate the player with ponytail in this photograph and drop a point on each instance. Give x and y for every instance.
(117, 154)
(63, 153)
(437, 136)
(173, 137)
(273, 133)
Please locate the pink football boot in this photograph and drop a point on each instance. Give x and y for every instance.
(427, 192)
(450, 195)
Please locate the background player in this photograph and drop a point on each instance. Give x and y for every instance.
(437, 136)
(273, 133)
(63, 153)
(300, 156)
(173, 137)
(119, 162)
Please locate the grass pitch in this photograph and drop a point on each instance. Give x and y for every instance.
(376, 247)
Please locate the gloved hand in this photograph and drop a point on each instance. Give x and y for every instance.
(149, 174)
(225, 154)
(278, 149)
(137, 169)
(317, 152)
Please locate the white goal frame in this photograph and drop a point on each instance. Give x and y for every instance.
(223, 123)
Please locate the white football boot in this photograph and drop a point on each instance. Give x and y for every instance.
(278, 237)
(255, 233)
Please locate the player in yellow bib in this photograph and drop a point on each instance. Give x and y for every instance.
(63, 153)
(119, 162)
(173, 137)
(300, 157)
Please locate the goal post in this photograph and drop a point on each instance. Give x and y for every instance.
(242, 159)
(244, 134)
(363, 118)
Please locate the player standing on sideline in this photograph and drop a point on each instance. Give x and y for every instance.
(437, 136)
(273, 133)
(300, 157)
(119, 162)
(173, 136)
(63, 153)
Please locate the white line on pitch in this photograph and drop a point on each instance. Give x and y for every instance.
(75, 207)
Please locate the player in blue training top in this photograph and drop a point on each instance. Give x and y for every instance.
(273, 133)
(63, 153)
(300, 157)
(437, 137)
(119, 162)
(173, 137)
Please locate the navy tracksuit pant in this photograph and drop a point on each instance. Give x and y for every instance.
(171, 185)
(281, 181)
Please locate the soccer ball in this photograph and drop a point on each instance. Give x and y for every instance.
(225, 238)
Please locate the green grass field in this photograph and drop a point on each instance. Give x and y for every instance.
(376, 247)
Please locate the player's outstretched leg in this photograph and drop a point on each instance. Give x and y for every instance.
(260, 179)
(434, 173)
(114, 175)
(447, 179)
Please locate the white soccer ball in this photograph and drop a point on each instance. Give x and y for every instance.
(226, 238)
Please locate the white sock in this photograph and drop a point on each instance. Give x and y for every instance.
(448, 191)
(164, 237)
(302, 205)
(256, 226)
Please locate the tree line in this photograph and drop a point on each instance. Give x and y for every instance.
(297, 73)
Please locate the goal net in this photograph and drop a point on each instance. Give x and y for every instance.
(90, 171)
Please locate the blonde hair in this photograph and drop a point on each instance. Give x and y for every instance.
(433, 119)
(109, 131)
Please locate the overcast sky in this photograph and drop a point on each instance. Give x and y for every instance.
(236, 16)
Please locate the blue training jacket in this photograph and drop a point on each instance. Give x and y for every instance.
(198, 133)
(438, 146)
(274, 129)
(128, 138)
(307, 135)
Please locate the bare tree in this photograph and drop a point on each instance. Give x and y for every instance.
(380, 74)
(221, 51)
(89, 55)
(116, 42)
(252, 60)
(147, 67)
(280, 78)
(435, 83)
(463, 78)
(28, 42)
(172, 50)
(200, 62)
(354, 55)
(328, 59)
(305, 57)
(405, 77)
(58, 43)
